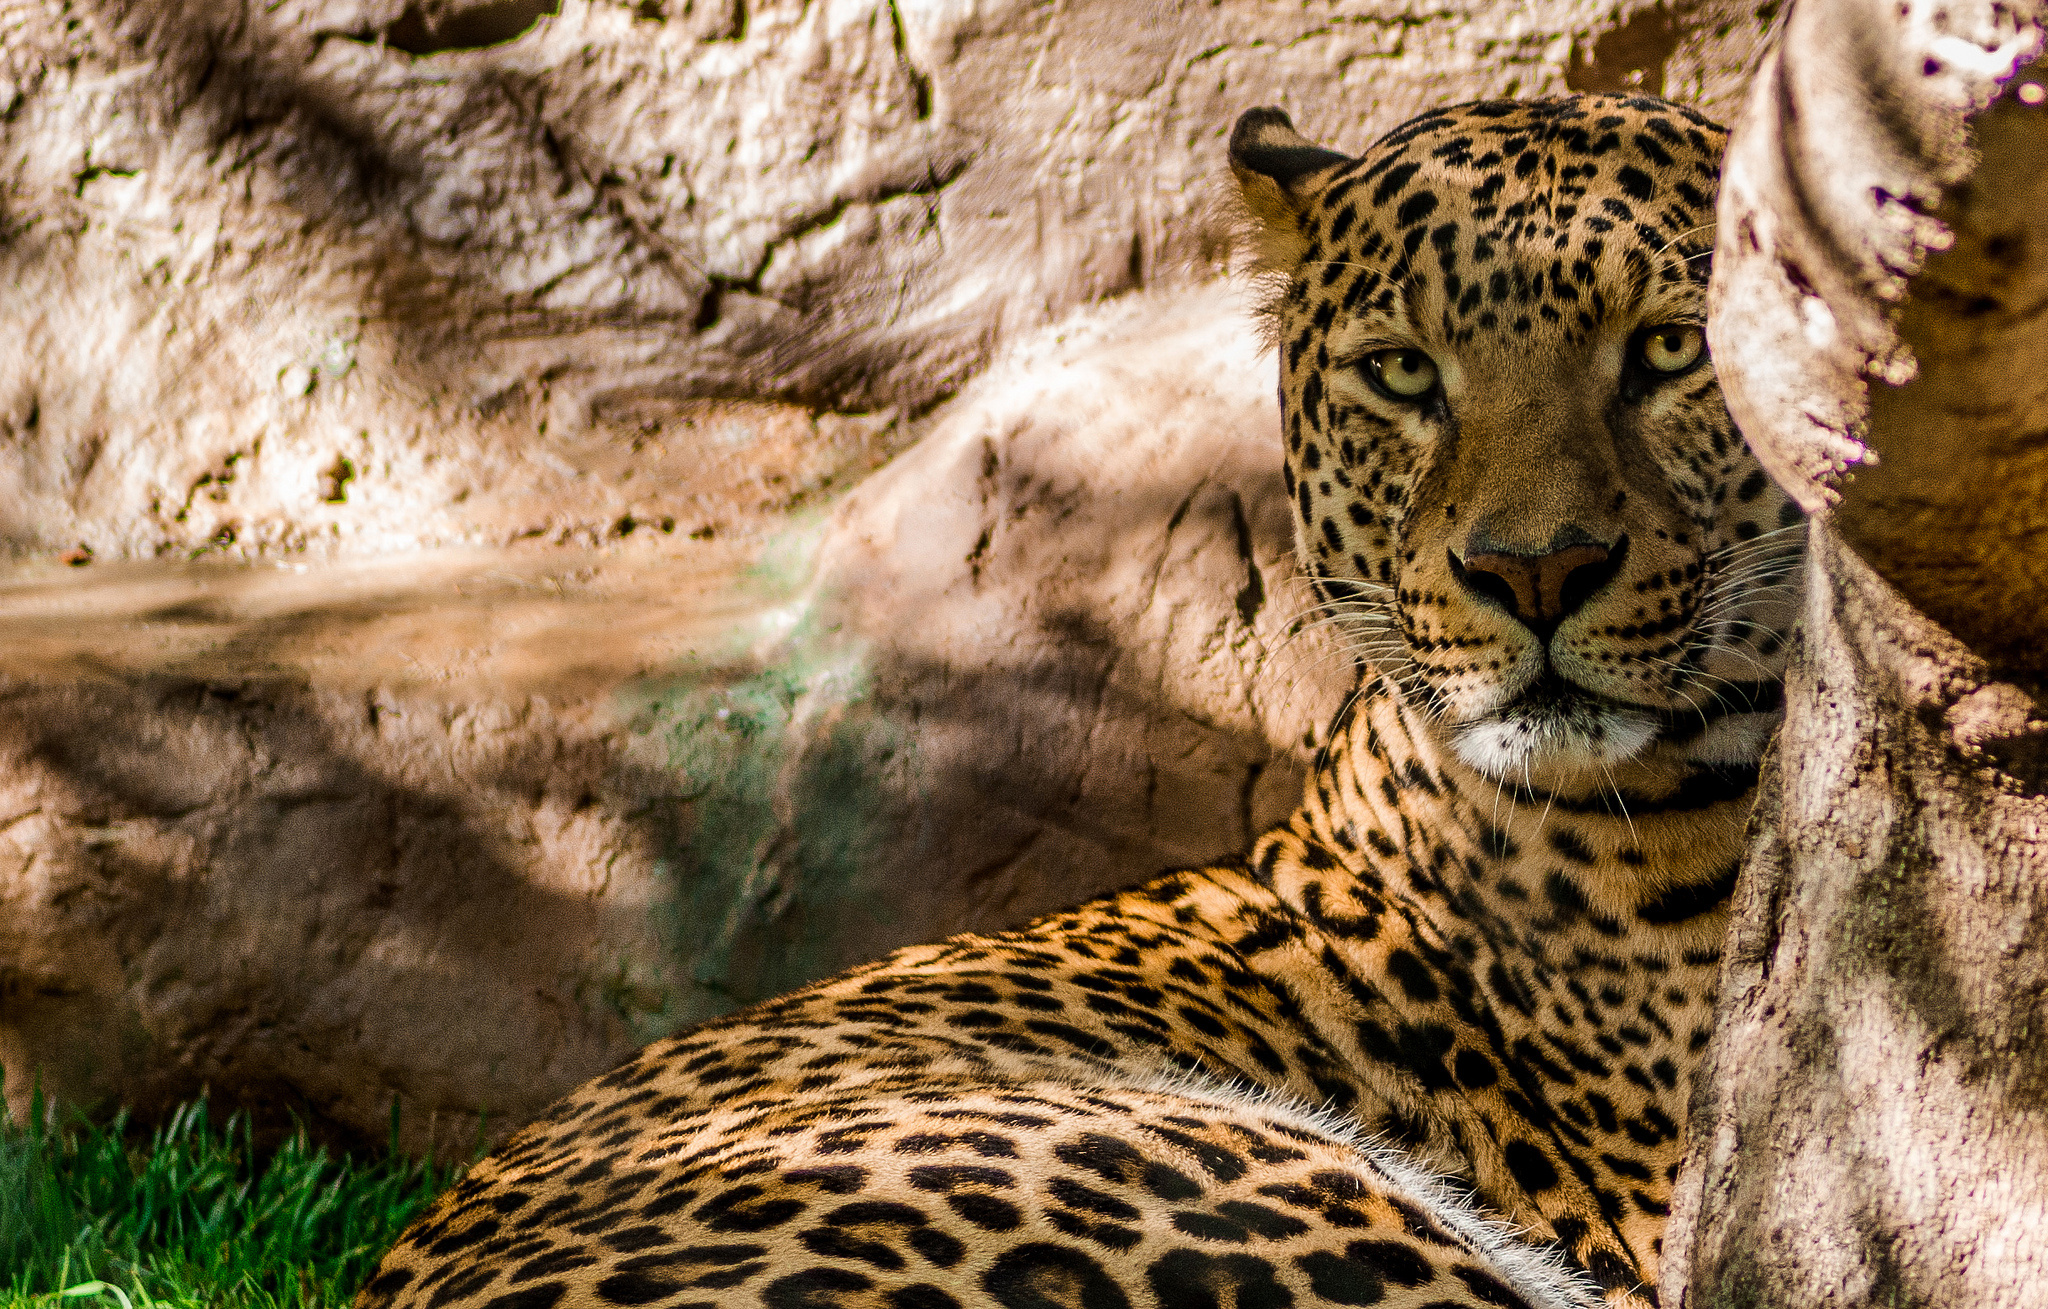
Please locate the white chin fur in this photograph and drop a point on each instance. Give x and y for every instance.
(1505, 746)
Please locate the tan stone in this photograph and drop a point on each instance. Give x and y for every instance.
(537, 686)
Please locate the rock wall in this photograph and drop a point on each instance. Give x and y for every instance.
(346, 274)
(475, 662)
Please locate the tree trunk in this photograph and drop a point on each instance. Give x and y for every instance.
(1872, 1127)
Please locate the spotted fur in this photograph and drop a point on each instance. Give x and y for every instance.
(1429, 1042)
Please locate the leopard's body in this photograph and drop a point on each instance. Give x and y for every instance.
(1430, 1041)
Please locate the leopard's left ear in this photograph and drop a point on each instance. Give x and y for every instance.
(1276, 167)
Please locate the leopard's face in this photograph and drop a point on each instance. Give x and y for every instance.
(1515, 479)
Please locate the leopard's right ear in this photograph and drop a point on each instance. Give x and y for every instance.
(1274, 165)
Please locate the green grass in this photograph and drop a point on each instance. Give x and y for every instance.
(97, 1216)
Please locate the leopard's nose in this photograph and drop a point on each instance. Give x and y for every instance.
(1540, 590)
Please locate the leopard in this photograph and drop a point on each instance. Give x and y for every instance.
(1427, 1042)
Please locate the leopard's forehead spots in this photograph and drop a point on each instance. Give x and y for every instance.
(1514, 219)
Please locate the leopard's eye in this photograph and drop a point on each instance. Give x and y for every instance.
(1673, 348)
(1401, 374)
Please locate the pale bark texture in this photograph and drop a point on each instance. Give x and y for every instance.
(1873, 1126)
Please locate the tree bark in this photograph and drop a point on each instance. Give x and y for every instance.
(1872, 1125)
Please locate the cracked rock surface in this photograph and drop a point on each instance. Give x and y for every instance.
(325, 276)
(594, 513)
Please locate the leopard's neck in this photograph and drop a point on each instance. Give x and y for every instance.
(1637, 859)
(1458, 933)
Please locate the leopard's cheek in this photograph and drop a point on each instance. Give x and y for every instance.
(1463, 655)
(1349, 477)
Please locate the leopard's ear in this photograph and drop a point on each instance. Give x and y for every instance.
(1275, 167)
